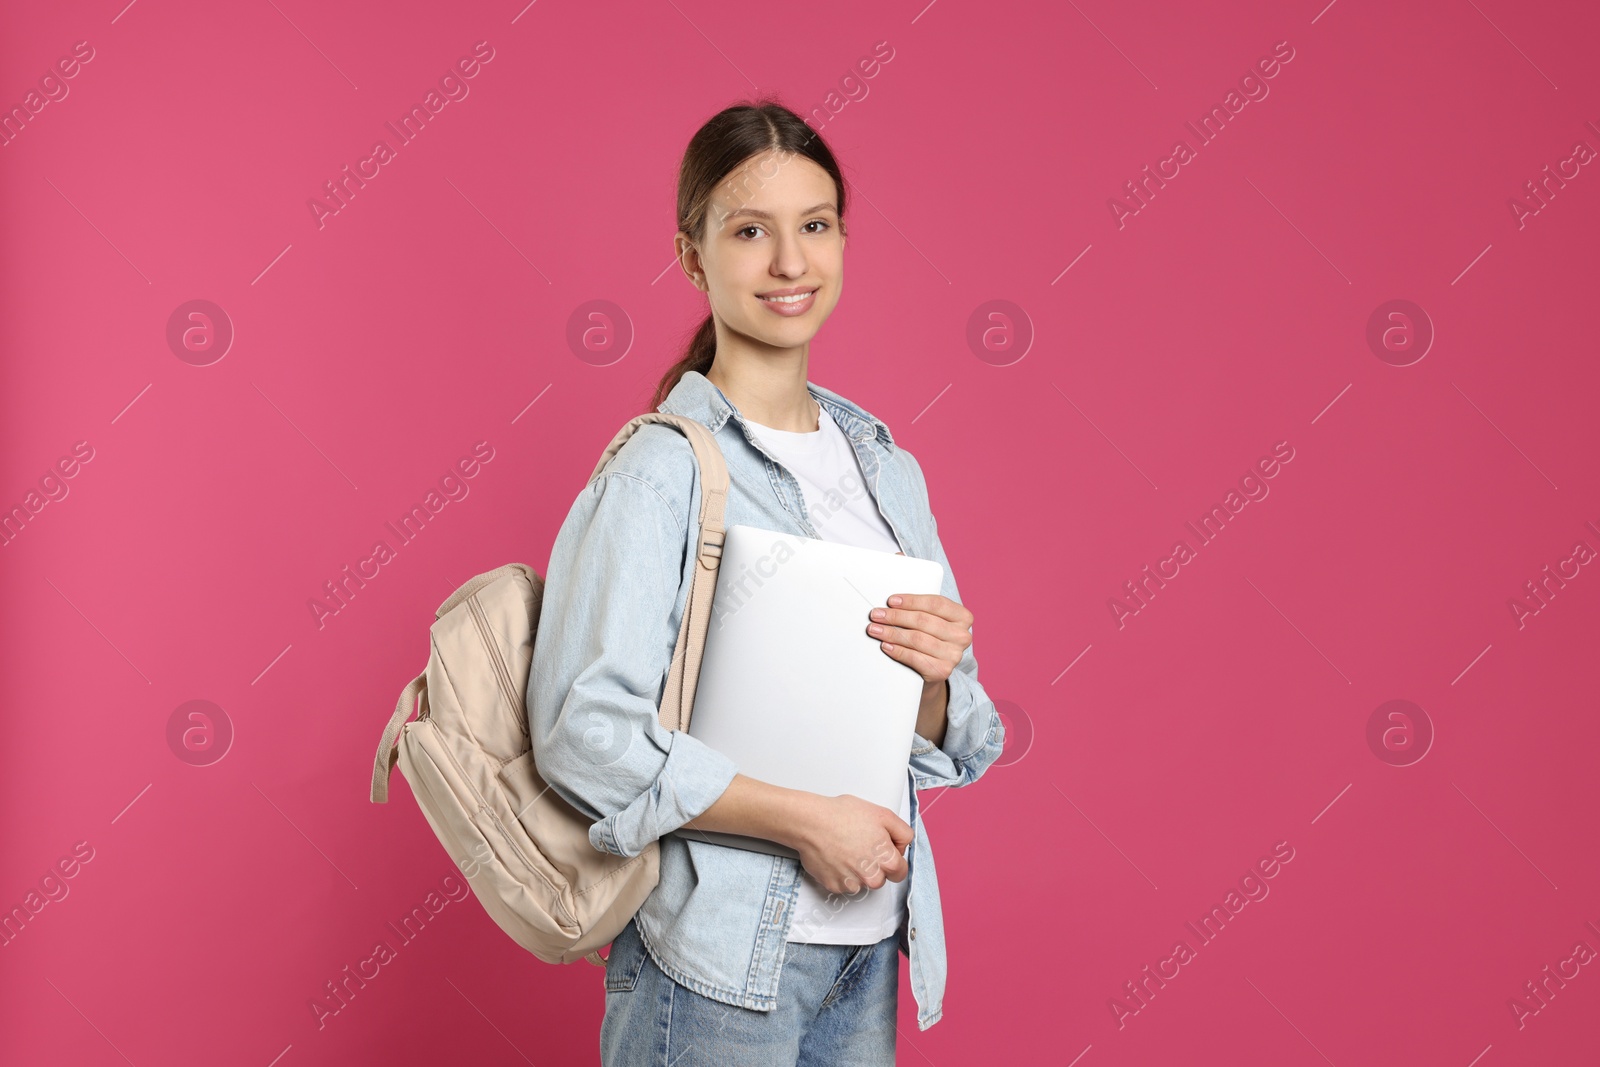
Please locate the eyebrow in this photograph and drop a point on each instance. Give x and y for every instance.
(827, 204)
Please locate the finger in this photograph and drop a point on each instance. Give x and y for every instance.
(920, 640)
(933, 603)
(930, 667)
(901, 626)
(950, 629)
(944, 649)
(909, 607)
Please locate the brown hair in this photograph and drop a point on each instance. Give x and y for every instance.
(729, 138)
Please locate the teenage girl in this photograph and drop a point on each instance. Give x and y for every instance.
(737, 956)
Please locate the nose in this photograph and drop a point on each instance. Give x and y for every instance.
(788, 257)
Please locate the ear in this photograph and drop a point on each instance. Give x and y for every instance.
(688, 259)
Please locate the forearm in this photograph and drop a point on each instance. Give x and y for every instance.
(932, 715)
(842, 841)
(974, 736)
(755, 808)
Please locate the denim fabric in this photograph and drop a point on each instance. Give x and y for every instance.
(618, 579)
(836, 1006)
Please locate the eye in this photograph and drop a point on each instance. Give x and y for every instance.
(740, 232)
(819, 222)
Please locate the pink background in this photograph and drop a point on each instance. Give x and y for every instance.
(1150, 765)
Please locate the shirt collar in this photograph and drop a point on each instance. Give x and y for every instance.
(699, 398)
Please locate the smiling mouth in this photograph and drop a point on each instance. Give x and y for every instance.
(790, 298)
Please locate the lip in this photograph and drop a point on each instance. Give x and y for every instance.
(789, 311)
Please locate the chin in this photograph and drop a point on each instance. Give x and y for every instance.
(792, 339)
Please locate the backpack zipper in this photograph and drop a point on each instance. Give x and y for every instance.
(502, 672)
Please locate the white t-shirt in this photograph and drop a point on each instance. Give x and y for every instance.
(842, 509)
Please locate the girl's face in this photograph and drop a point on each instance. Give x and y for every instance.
(772, 229)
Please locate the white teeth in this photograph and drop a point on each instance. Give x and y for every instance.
(787, 299)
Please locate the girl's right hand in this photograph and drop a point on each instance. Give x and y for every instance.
(847, 843)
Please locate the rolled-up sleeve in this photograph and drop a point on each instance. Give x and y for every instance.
(974, 735)
(608, 624)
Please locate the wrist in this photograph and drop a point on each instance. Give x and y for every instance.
(932, 714)
(803, 819)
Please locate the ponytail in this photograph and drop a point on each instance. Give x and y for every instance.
(701, 351)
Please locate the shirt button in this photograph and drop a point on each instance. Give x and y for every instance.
(913, 933)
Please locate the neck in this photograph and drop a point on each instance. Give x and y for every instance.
(769, 389)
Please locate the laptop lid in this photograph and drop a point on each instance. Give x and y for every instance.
(792, 688)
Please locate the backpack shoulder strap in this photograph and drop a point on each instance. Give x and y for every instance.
(677, 698)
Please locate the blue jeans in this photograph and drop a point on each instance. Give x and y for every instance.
(836, 1005)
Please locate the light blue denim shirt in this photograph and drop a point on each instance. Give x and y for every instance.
(619, 577)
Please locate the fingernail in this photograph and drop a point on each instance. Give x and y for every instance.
(894, 602)
(878, 613)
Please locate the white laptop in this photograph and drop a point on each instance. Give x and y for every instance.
(792, 688)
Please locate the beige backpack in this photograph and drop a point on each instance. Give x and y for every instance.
(523, 849)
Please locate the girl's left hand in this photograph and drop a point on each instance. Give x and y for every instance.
(928, 632)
